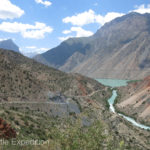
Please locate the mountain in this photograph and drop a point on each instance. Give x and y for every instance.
(9, 45)
(58, 56)
(119, 49)
(22, 78)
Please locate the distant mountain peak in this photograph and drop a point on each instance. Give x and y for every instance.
(9, 45)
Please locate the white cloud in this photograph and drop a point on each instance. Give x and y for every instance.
(64, 38)
(107, 18)
(9, 10)
(90, 16)
(81, 19)
(66, 32)
(33, 49)
(36, 31)
(80, 32)
(142, 9)
(45, 3)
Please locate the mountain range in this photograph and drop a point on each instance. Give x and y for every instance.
(120, 49)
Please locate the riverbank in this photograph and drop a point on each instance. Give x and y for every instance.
(111, 102)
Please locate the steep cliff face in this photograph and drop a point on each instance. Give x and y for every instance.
(119, 49)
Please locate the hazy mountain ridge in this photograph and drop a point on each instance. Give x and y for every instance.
(9, 45)
(119, 49)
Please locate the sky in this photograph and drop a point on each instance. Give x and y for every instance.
(39, 25)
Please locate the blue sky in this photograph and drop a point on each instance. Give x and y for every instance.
(39, 25)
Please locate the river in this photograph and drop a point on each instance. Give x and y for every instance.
(117, 83)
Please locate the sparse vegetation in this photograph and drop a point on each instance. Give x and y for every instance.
(92, 127)
(61, 133)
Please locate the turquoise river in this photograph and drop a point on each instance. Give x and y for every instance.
(117, 83)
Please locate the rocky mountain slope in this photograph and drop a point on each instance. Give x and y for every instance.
(9, 45)
(119, 49)
(22, 78)
(135, 100)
